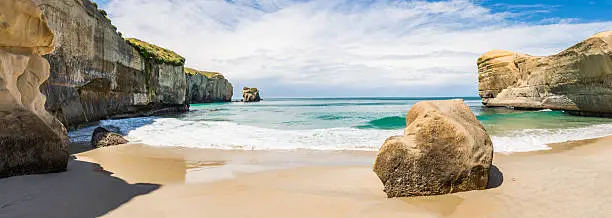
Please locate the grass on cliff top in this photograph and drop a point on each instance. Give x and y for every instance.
(158, 54)
(210, 75)
(249, 90)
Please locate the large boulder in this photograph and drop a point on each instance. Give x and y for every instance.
(250, 94)
(444, 149)
(31, 140)
(578, 80)
(102, 137)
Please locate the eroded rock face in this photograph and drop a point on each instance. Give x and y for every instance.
(169, 84)
(31, 140)
(250, 94)
(96, 74)
(578, 79)
(102, 137)
(444, 149)
(202, 89)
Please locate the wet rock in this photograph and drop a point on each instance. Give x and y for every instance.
(102, 137)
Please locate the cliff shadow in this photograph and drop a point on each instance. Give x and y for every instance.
(79, 147)
(496, 177)
(84, 190)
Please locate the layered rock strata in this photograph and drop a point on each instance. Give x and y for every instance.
(577, 80)
(206, 87)
(97, 74)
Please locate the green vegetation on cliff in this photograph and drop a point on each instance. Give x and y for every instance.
(207, 74)
(249, 90)
(158, 54)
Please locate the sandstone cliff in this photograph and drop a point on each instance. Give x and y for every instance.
(31, 139)
(96, 74)
(205, 87)
(578, 80)
(165, 73)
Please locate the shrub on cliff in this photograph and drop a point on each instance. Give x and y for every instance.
(250, 90)
(207, 74)
(158, 54)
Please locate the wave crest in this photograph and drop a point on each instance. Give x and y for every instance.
(392, 122)
(228, 135)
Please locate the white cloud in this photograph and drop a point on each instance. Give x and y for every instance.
(342, 44)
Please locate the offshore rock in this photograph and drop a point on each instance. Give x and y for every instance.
(250, 94)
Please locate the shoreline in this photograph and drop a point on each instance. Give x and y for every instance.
(189, 160)
(81, 147)
(135, 180)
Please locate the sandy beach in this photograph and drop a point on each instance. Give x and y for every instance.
(570, 180)
(299, 108)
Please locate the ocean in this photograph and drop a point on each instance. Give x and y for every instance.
(338, 124)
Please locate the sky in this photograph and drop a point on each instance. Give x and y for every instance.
(355, 48)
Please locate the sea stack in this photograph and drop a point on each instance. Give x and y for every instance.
(31, 140)
(444, 149)
(577, 80)
(250, 94)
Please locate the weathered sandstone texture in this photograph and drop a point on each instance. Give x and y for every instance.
(444, 149)
(31, 140)
(205, 87)
(578, 80)
(97, 74)
(102, 137)
(250, 94)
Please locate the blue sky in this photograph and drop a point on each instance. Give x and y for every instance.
(326, 48)
(536, 11)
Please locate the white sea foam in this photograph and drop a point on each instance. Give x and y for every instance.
(228, 135)
(124, 125)
(537, 139)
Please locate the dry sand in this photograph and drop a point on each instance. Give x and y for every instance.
(571, 180)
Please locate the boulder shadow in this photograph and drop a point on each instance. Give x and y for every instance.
(496, 177)
(84, 190)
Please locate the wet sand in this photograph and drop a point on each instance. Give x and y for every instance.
(570, 180)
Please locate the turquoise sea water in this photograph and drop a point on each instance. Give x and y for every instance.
(340, 124)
